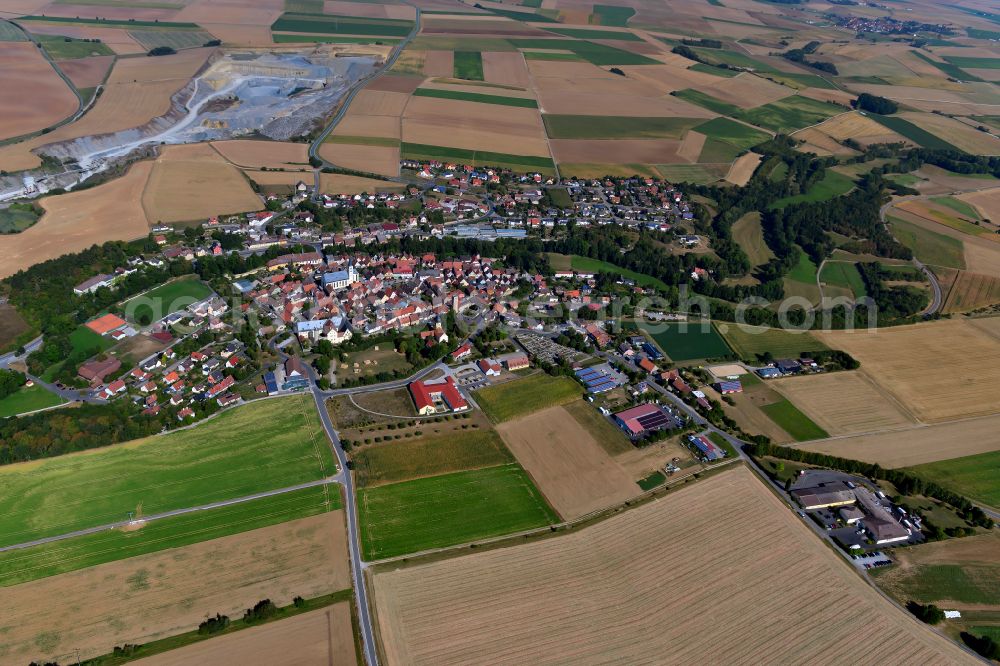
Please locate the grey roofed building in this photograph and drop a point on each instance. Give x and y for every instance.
(824, 495)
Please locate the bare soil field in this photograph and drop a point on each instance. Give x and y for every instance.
(502, 129)
(743, 169)
(335, 183)
(987, 202)
(34, 97)
(87, 72)
(640, 463)
(507, 68)
(668, 78)
(746, 90)
(379, 103)
(378, 126)
(191, 182)
(902, 360)
(270, 154)
(77, 220)
(842, 402)
(916, 446)
(567, 464)
(691, 146)
(383, 160)
(618, 151)
(439, 63)
(396, 83)
(634, 589)
(477, 87)
(231, 12)
(161, 594)
(109, 11)
(322, 636)
(955, 132)
(137, 90)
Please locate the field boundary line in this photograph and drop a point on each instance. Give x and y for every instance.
(555, 528)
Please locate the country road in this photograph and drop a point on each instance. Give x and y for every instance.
(936, 297)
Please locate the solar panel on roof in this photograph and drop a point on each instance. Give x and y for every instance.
(600, 388)
(654, 420)
(597, 382)
(584, 374)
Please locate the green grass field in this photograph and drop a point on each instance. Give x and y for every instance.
(587, 33)
(721, 56)
(831, 185)
(165, 299)
(270, 444)
(85, 340)
(929, 247)
(588, 265)
(418, 151)
(706, 101)
(67, 48)
(455, 451)
(610, 437)
(790, 113)
(341, 25)
(734, 133)
(804, 270)
(948, 68)
(748, 235)
(597, 54)
(521, 397)
(175, 39)
(794, 422)
(450, 509)
(844, 274)
(699, 174)
(20, 566)
(15, 220)
(11, 33)
(544, 55)
(560, 197)
(521, 16)
(28, 399)
(651, 481)
(717, 151)
(687, 342)
(748, 341)
(476, 97)
(615, 127)
(963, 583)
(914, 133)
(468, 65)
(959, 206)
(976, 477)
(612, 15)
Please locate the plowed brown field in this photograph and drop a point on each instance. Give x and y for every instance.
(689, 578)
(34, 97)
(271, 154)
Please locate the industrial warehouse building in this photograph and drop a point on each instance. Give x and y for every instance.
(637, 421)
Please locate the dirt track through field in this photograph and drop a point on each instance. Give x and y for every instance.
(720, 572)
(567, 464)
(162, 594)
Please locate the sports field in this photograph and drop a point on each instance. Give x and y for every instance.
(524, 396)
(687, 342)
(28, 399)
(977, 477)
(19, 566)
(165, 299)
(697, 576)
(439, 511)
(270, 444)
(748, 341)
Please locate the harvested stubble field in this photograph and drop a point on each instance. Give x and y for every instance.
(955, 133)
(270, 154)
(902, 360)
(861, 128)
(458, 124)
(972, 291)
(34, 96)
(322, 636)
(576, 597)
(193, 182)
(138, 89)
(77, 220)
(987, 202)
(87, 72)
(743, 169)
(916, 446)
(566, 462)
(272, 444)
(842, 402)
(162, 594)
(381, 160)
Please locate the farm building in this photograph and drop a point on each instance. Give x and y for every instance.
(824, 495)
(879, 523)
(489, 367)
(709, 450)
(652, 353)
(851, 514)
(639, 420)
(728, 387)
(439, 396)
(96, 371)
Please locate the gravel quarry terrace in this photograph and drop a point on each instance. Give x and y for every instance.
(275, 94)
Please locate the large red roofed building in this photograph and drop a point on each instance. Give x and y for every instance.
(642, 419)
(427, 396)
